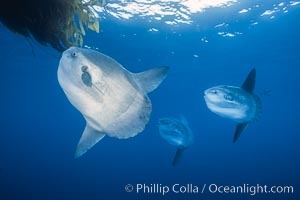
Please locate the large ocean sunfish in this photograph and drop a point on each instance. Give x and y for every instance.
(239, 104)
(178, 133)
(112, 100)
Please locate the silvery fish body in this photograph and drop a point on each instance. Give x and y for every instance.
(178, 133)
(112, 100)
(239, 104)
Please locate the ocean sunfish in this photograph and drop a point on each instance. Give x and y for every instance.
(178, 133)
(112, 100)
(239, 104)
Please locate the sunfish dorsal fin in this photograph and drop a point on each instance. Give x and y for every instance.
(184, 120)
(178, 156)
(249, 83)
(88, 139)
(238, 131)
(149, 80)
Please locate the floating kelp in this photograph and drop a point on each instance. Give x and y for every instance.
(59, 23)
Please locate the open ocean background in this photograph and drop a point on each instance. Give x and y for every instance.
(40, 128)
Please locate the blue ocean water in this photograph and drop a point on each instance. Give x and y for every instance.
(40, 128)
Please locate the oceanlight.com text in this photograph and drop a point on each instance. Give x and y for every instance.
(250, 189)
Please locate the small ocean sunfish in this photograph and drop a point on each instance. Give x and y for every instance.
(239, 104)
(112, 100)
(178, 133)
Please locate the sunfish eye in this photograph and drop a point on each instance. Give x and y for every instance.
(74, 54)
(214, 91)
(84, 68)
(228, 97)
(86, 79)
(164, 122)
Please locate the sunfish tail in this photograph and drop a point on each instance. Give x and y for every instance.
(178, 156)
(238, 131)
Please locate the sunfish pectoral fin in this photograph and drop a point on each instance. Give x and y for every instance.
(249, 83)
(150, 80)
(238, 131)
(88, 139)
(178, 156)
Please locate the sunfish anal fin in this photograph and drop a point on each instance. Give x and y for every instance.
(88, 139)
(249, 83)
(149, 80)
(178, 156)
(238, 131)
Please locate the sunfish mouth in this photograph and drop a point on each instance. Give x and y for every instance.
(206, 93)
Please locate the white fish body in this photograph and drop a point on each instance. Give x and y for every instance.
(113, 101)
